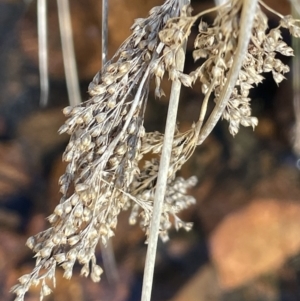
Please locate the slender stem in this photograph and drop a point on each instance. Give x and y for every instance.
(271, 9)
(162, 177)
(220, 2)
(108, 256)
(104, 31)
(296, 82)
(295, 4)
(65, 27)
(43, 51)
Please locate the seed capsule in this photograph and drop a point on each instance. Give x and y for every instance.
(78, 211)
(124, 111)
(108, 79)
(124, 67)
(96, 131)
(113, 161)
(67, 156)
(67, 111)
(81, 187)
(100, 117)
(30, 243)
(97, 270)
(103, 230)
(59, 210)
(63, 129)
(45, 290)
(87, 214)
(52, 218)
(121, 149)
(142, 132)
(73, 240)
(90, 156)
(86, 139)
(112, 68)
(147, 56)
(61, 257)
(45, 252)
(112, 89)
(111, 103)
(72, 254)
(67, 207)
(99, 89)
(56, 238)
(24, 279)
(101, 150)
(88, 116)
(74, 199)
(131, 128)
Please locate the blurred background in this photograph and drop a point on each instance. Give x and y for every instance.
(245, 244)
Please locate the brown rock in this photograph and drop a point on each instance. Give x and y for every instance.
(13, 169)
(203, 286)
(217, 199)
(255, 240)
(39, 133)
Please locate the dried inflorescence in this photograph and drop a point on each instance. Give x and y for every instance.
(108, 139)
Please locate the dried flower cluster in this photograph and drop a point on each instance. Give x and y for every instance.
(108, 139)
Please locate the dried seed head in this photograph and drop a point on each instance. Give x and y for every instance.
(121, 149)
(73, 240)
(24, 279)
(131, 128)
(45, 252)
(111, 103)
(45, 290)
(100, 117)
(112, 89)
(108, 79)
(78, 211)
(67, 111)
(61, 257)
(59, 210)
(124, 67)
(112, 68)
(81, 187)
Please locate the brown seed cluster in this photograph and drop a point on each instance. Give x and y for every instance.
(103, 152)
(108, 139)
(143, 187)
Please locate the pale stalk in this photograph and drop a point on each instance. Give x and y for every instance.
(220, 2)
(104, 31)
(65, 27)
(295, 4)
(43, 51)
(296, 83)
(108, 256)
(162, 177)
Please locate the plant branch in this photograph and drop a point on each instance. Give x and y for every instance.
(162, 176)
(65, 27)
(108, 255)
(43, 51)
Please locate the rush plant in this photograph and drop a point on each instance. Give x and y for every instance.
(108, 139)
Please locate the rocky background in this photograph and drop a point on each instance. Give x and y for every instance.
(245, 244)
